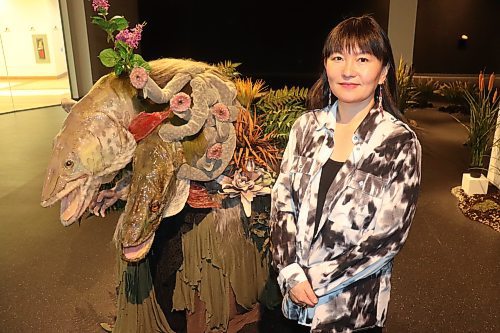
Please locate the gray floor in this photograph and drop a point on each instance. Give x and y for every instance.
(447, 277)
(52, 278)
(57, 279)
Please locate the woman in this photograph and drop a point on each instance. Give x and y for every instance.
(347, 190)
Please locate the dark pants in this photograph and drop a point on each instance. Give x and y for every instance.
(372, 330)
(305, 329)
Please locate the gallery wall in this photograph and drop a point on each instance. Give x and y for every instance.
(19, 21)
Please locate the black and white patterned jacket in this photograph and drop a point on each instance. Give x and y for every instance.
(365, 221)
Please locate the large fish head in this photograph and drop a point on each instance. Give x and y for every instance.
(153, 186)
(91, 147)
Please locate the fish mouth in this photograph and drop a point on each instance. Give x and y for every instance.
(74, 200)
(72, 207)
(138, 252)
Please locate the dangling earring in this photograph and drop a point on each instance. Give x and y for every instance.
(380, 107)
(330, 98)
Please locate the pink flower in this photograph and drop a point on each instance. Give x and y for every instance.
(221, 112)
(138, 77)
(215, 151)
(100, 4)
(131, 37)
(180, 102)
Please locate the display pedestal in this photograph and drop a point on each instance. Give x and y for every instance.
(472, 185)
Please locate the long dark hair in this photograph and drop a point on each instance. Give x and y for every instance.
(364, 34)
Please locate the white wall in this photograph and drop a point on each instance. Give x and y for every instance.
(3, 69)
(494, 170)
(401, 30)
(19, 20)
(75, 33)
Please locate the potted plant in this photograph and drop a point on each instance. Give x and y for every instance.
(484, 106)
(406, 90)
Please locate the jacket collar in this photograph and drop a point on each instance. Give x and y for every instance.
(326, 118)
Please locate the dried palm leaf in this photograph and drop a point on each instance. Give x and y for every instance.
(248, 91)
(252, 143)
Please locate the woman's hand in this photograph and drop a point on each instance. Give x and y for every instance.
(303, 295)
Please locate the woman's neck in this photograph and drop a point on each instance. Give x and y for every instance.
(348, 113)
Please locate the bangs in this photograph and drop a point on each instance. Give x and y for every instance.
(356, 35)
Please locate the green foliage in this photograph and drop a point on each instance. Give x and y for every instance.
(406, 92)
(121, 57)
(257, 226)
(454, 94)
(427, 90)
(112, 25)
(277, 109)
(280, 108)
(484, 107)
(229, 69)
(109, 57)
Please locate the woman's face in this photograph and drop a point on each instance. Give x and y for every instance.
(353, 77)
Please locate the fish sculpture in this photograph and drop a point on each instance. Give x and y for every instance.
(193, 144)
(92, 146)
(155, 192)
(96, 142)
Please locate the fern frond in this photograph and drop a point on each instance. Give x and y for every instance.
(279, 109)
(229, 68)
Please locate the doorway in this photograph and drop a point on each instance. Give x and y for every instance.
(33, 68)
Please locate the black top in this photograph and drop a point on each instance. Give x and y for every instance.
(330, 170)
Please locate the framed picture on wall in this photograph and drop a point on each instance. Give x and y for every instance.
(41, 48)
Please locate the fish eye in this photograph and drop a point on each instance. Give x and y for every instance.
(155, 206)
(68, 164)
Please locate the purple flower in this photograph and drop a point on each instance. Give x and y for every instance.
(138, 77)
(221, 112)
(131, 37)
(180, 102)
(214, 152)
(100, 4)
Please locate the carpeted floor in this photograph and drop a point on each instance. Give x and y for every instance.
(57, 279)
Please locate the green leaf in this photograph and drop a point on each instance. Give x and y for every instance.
(118, 23)
(109, 57)
(138, 61)
(147, 66)
(97, 19)
(123, 49)
(119, 68)
(102, 23)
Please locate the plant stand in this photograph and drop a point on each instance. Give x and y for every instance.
(472, 185)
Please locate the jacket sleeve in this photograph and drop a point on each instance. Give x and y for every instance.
(391, 229)
(283, 220)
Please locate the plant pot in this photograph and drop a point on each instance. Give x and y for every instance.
(475, 172)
